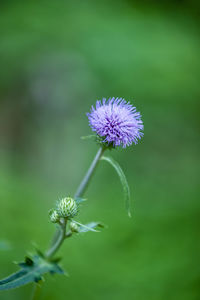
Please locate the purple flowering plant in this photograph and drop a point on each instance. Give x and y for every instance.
(116, 123)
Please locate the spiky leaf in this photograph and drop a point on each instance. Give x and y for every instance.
(123, 180)
(32, 270)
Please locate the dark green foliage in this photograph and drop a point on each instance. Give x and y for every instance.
(32, 270)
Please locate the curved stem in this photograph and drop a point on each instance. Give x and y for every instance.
(59, 238)
(58, 242)
(80, 191)
(84, 183)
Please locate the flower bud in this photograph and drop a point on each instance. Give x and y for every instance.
(54, 217)
(67, 208)
(74, 227)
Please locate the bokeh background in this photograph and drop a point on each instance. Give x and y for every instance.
(56, 59)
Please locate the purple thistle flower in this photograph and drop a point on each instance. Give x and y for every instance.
(116, 121)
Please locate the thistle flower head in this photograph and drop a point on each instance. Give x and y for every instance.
(67, 207)
(54, 217)
(74, 227)
(116, 121)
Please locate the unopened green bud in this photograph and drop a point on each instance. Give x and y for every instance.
(54, 216)
(74, 227)
(67, 208)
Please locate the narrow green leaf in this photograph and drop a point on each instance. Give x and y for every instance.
(29, 276)
(123, 180)
(87, 227)
(90, 226)
(13, 276)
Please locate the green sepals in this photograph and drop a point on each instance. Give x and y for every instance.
(89, 227)
(32, 270)
(123, 180)
(67, 208)
(100, 140)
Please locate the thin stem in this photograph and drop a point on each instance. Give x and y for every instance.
(59, 241)
(84, 183)
(55, 237)
(60, 237)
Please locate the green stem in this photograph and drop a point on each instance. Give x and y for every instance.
(80, 191)
(84, 183)
(50, 253)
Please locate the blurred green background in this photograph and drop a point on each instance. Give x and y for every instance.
(56, 59)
